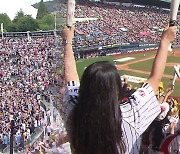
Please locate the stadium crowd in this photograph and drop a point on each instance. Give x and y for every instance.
(87, 109)
(164, 126)
(53, 138)
(117, 23)
(27, 73)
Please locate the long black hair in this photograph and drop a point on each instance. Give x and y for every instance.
(96, 121)
(154, 134)
(157, 132)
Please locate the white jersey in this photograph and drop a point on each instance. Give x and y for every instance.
(137, 114)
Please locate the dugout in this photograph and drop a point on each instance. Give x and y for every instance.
(114, 49)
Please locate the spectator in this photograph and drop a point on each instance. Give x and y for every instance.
(49, 130)
(55, 114)
(104, 131)
(171, 144)
(48, 117)
(5, 141)
(160, 128)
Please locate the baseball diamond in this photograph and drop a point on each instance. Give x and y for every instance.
(139, 66)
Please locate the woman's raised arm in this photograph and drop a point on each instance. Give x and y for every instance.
(69, 60)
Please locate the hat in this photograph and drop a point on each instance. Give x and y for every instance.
(171, 145)
(164, 110)
(174, 146)
(161, 85)
(174, 110)
(125, 99)
(176, 103)
(141, 82)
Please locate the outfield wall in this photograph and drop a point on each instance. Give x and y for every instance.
(116, 49)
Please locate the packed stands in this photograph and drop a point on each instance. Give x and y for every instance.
(28, 69)
(117, 23)
(27, 73)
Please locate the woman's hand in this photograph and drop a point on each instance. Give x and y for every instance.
(68, 33)
(169, 34)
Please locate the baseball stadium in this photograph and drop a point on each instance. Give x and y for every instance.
(34, 95)
(138, 64)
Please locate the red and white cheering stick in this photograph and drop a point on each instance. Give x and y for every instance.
(70, 13)
(173, 14)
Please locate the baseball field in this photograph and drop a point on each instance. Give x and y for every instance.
(138, 65)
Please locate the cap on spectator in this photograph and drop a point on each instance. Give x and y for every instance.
(174, 146)
(176, 103)
(141, 82)
(161, 85)
(164, 110)
(171, 145)
(125, 99)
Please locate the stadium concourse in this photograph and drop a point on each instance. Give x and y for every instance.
(31, 88)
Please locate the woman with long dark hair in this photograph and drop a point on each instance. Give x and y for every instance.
(95, 122)
(97, 112)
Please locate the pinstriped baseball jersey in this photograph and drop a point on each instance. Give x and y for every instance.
(137, 114)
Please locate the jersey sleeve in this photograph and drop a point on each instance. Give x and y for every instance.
(70, 99)
(141, 109)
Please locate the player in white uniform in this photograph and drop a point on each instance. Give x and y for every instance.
(95, 121)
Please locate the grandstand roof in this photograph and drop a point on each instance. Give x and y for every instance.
(166, 1)
(158, 3)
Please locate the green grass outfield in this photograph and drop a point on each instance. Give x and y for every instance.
(143, 66)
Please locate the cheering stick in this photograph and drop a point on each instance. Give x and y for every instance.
(173, 15)
(176, 73)
(70, 13)
(173, 12)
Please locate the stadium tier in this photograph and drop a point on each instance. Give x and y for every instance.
(32, 80)
(117, 23)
